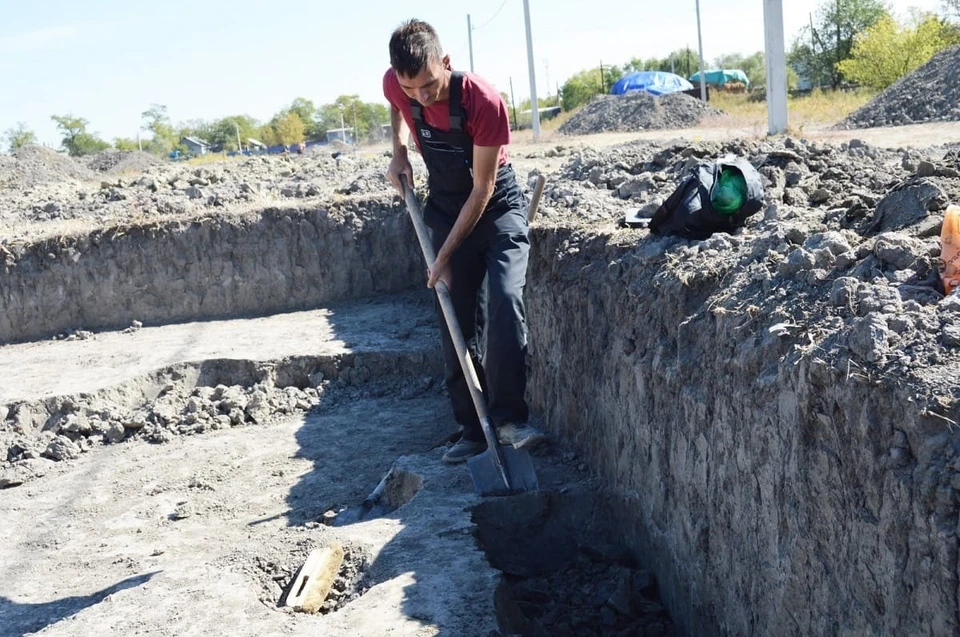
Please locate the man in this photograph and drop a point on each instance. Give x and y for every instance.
(477, 218)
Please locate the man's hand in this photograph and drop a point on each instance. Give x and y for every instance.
(400, 165)
(439, 271)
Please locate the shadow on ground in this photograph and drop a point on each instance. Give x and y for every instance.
(20, 618)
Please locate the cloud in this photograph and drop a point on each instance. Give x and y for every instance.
(38, 38)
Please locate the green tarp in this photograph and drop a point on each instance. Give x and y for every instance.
(719, 77)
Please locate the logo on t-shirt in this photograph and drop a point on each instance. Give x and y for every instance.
(425, 133)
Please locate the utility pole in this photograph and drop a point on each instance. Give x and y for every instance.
(239, 145)
(703, 74)
(343, 128)
(513, 106)
(603, 81)
(776, 66)
(813, 48)
(546, 67)
(534, 104)
(356, 129)
(470, 41)
(139, 143)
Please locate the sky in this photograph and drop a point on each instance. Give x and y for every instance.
(109, 60)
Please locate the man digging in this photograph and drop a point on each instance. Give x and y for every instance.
(477, 216)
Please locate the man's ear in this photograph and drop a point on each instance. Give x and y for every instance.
(446, 62)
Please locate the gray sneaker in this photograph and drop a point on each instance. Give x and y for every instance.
(520, 436)
(463, 450)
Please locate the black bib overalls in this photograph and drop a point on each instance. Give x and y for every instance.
(493, 319)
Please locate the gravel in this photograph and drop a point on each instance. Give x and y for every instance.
(929, 94)
(636, 112)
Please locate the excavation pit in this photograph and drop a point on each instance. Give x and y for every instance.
(566, 568)
(774, 410)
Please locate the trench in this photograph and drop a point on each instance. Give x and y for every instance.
(752, 489)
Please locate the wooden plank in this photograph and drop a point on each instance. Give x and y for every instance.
(312, 584)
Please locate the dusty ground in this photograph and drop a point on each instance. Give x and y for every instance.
(200, 535)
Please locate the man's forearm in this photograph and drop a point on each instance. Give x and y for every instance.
(400, 131)
(467, 220)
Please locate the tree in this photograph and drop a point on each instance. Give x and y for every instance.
(887, 50)
(754, 66)
(289, 129)
(579, 89)
(819, 49)
(952, 7)
(19, 136)
(224, 132)
(366, 117)
(76, 140)
(307, 111)
(155, 120)
(268, 135)
(125, 144)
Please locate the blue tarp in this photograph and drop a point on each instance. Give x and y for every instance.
(653, 82)
(719, 77)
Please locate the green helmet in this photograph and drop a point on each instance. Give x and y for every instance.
(730, 191)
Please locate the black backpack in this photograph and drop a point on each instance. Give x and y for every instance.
(689, 213)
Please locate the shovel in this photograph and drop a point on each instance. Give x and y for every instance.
(498, 470)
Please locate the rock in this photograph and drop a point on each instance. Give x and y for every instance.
(951, 335)
(906, 205)
(633, 187)
(195, 193)
(926, 169)
(843, 293)
(136, 420)
(898, 250)
(797, 260)
(870, 337)
(115, 432)
(62, 448)
(76, 424)
(258, 408)
(820, 196)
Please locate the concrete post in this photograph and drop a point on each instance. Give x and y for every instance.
(703, 71)
(534, 104)
(470, 40)
(776, 66)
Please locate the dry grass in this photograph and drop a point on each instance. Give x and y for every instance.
(211, 158)
(819, 108)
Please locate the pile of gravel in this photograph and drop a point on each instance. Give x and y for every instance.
(38, 165)
(929, 94)
(636, 112)
(118, 161)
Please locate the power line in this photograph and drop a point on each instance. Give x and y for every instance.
(502, 5)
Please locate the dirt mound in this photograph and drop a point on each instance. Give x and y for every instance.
(929, 94)
(118, 161)
(37, 165)
(636, 112)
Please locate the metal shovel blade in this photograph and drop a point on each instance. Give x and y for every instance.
(518, 465)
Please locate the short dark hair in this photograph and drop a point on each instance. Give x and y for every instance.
(412, 46)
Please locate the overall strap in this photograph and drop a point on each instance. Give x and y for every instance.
(456, 102)
(417, 111)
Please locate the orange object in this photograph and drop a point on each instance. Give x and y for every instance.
(950, 249)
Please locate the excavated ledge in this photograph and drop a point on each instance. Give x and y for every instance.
(226, 265)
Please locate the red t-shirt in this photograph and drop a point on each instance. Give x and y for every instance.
(488, 123)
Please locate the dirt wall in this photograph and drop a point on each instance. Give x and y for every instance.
(776, 490)
(280, 259)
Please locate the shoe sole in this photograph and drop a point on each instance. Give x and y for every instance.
(530, 442)
(459, 459)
